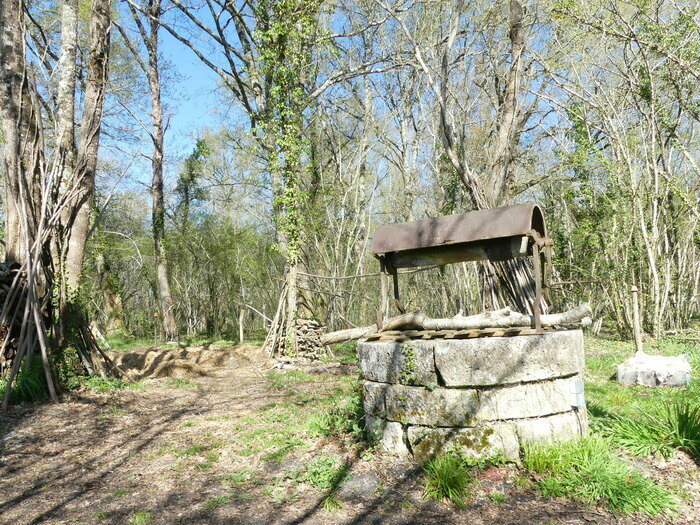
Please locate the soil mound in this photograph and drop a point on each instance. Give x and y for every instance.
(183, 363)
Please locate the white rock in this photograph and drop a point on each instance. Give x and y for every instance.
(654, 370)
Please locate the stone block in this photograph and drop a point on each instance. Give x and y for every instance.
(507, 360)
(524, 401)
(655, 370)
(558, 427)
(440, 407)
(388, 435)
(392, 441)
(409, 363)
(476, 442)
(373, 398)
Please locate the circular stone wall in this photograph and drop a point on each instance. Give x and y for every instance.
(485, 395)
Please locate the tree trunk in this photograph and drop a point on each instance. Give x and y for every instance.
(86, 159)
(23, 151)
(165, 298)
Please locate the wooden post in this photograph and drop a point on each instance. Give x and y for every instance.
(636, 326)
(241, 311)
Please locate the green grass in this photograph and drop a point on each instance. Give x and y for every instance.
(216, 501)
(239, 478)
(324, 472)
(120, 341)
(182, 383)
(140, 518)
(675, 426)
(342, 352)
(343, 416)
(332, 503)
(100, 516)
(291, 378)
(29, 385)
(589, 471)
(448, 478)
(497, 498)
(642, 420)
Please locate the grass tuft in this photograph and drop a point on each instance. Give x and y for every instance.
(182, 383)
(216, 502)
(140, 518)
(587, 470)
(324, 472)
(340, 419)
(448, 478)
(29, 385)
(332, 503)
(676, 426)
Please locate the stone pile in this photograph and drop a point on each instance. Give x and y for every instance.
(486, 396)
(309, 333)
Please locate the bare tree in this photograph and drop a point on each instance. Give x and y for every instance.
(148, 31)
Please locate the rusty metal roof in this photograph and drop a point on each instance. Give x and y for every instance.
(507, 221)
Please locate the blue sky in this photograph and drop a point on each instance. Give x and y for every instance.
(193, 101)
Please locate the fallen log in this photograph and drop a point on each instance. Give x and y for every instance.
(504, 318)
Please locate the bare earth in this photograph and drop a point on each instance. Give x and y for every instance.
(208, 453)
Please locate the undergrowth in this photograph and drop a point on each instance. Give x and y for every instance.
(675, 426)
(588, 471)
(29, 385)
(324, 472)
(340, 418)
(448, 478)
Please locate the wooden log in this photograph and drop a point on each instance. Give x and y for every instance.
(498, 319)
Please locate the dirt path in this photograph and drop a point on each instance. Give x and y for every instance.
(239, 445)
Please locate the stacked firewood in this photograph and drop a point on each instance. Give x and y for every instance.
(8, 350)
(309, 333)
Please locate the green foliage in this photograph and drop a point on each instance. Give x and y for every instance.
(29, 385)
(324, 472)
(676, 426)
(497, 498)
(448, 478)
(99, 384)
(588, 471)
(332, 503)
(342, 417)
(182, 383)
(216, 501)
(408, 371)
(343, 352)
(140, 517)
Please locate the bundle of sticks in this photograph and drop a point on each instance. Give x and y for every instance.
(13, 325)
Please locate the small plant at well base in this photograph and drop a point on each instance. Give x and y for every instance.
(447, 478)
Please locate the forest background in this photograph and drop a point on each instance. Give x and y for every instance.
(249, 149)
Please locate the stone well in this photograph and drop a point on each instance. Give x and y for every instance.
(485, 395)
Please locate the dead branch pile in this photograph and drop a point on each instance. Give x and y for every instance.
(503, 318)
(10, 327)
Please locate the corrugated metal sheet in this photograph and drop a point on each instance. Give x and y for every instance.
(496, 223)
